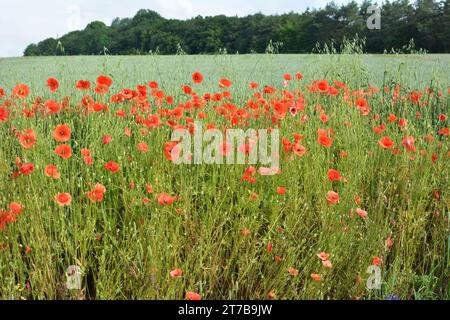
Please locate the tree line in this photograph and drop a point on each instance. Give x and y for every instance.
(427, 22)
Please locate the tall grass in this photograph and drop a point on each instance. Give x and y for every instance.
(127, 248)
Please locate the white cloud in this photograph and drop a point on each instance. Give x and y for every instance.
(181, 9)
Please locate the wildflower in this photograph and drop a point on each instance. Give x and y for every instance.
(52, 106)
(97, 194)
(225, 83)
(26, 169)
(325, 141)
(83, 85)
(106, 139)
(323, 256)
(322, 86)
(197, 77)
(27, 139)
(333, 175)
(271, 295)
(176, 273)
(16, 208)
(172, 151)
(269, 247)
(3, 115)
(21, 91)
(316, 277)
(142, 147)
(327, 264)
(408, 143)
(112, 166)
(62, 133)
(165, 199)
(298, 149)
(376, 261)
(63, 199)
(293, 272)
(53, 84)
(64, 151)
(332, 197)
(361, 213)
(52, 172)
(104, 80)
(444, 132)
(386, 142)
(193, 296)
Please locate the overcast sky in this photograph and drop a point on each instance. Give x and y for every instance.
(29, 21)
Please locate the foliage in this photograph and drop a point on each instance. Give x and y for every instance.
(426, 21)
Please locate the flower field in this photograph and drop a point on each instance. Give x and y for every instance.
(356, 207)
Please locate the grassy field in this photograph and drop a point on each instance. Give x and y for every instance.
(375, 133)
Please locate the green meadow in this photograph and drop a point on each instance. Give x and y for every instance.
(230, 238)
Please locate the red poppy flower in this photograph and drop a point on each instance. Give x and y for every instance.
(3, 114)
(193, 296)
(361, 213)
(64, 151)
(316, 277)
(166, 199)
(112, 166)
(323, 256)
(53, 84)
(52, 172)
(272, 295)
(281, 190)
(101, 89)
(269, 247)
(83, 85)
(187, 89)
(361, 103)
(298, 149)
(172, 151)
(176, 273)
(327, 264)
(62, 133)
(104, 80)
(253, 85)
(444, 132)
(197, 77)
(106, 139)
(408, 143)
(334, 175)
(386, 142)
(376, 261)
(332, 197)
(143, 147)
(16, 208)
(322, 86)
(225, 83)
(21, 91)
(27, 139)
(63, 199)
(26, 168)
(153, 85)
(52, 106)
(97, 194)
(325, 141)
(392, 118)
